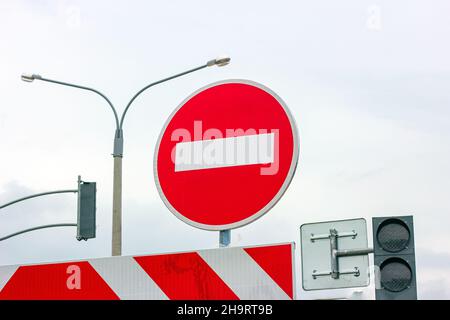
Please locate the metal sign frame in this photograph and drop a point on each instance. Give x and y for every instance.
(335, 276)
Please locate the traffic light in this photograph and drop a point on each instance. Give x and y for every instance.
(86, 210)
(393, 241)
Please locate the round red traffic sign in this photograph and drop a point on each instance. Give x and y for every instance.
(226, 155)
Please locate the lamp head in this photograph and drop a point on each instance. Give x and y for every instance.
(220, 62)
(30, 77)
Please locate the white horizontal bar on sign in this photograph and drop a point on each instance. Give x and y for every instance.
(225, 152)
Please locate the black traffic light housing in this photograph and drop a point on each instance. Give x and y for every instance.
(86, 210)
(394, 255)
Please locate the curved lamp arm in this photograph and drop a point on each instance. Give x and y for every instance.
(37, 195)
(37, 228)
(220, 62)
(151, 85)
(30, 78)
(118, 139)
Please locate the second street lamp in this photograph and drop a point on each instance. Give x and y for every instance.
(118, 142)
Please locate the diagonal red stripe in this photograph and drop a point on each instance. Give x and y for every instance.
(57, 282)
(276, 261)
(185, 276)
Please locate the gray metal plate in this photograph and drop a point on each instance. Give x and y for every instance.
(316, 255)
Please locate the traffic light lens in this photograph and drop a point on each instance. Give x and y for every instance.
(393, 235)
(396, 274)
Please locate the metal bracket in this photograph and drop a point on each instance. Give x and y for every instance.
(352, 234)
(118, 143)
(335, 253)
(316, 273)
(224, 238)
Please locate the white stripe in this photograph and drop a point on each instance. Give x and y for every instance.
(225, 152)
(6, 273)
(127, 279)
(243, 275)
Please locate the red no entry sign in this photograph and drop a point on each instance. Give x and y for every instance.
(226, 155)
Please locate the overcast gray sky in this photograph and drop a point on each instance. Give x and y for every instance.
(367, 82)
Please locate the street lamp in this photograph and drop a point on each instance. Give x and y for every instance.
(30, 77)
(220, 61)
(118, 142)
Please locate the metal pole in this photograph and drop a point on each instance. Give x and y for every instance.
(333, 249)
(353, 252)
(117, 208)
(224, 238)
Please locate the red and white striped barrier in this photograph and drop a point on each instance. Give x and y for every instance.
(260, 272)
